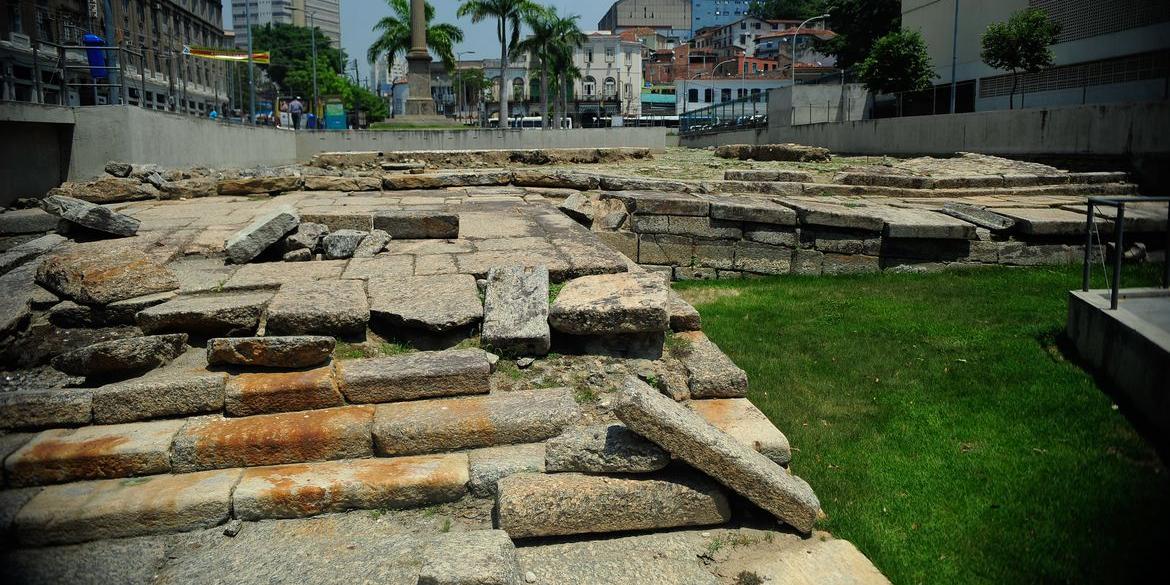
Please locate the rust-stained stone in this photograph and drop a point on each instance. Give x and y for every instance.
(118, 508)
(425, 374)
(94, 452)
(745, 423)
(274, 439)
(537, 504)
(269, 392)
(429, 426)
(710, 373)
(308, 489)
(98, 273)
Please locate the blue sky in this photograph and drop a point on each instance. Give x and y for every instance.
(357, 16)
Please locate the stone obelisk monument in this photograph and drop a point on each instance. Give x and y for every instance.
(418, 101)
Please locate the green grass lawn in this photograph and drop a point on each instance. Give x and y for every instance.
(945, 432)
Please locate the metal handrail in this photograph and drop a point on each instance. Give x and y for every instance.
(1118, 239)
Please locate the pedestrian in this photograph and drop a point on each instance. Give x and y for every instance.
(295, 108)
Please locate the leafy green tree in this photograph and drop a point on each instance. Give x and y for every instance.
(291, 47)
(508, 14)
(553, 40)
(1020, 44)
(394, 35)
(859, 24)
(786, 9)
(898, 62)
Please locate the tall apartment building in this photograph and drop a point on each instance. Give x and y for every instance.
(1107, 51)
(326, 15)
(706, 13)
(161, 78)
(671, 18)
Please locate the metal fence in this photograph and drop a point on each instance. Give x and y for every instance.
(746, 112)
(1118, 221)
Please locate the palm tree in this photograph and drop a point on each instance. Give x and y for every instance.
(394, 35)
(508, 13)
(568, 38)
(539, 46)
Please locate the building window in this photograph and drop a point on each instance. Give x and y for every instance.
(518, 89)
(590, 86)
(15, 19)
(708, 95)
(725, 95)
(589, 55)
(610, 87)
(609, 54)
(692, 95)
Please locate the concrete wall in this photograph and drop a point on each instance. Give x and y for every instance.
(31, 158)
(1103, 130)
(127, 133)
(310, 143)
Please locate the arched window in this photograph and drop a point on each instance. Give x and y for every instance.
(518, 89)
(610, 87)
(590, 86)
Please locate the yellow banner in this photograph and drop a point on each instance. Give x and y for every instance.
(226, 54)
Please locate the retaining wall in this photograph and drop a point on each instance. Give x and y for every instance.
(310, 143)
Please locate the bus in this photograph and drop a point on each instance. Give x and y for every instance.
(526, 122)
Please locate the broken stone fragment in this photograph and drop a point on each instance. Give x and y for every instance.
(306, 236)
(211, 314)
(258, 185)
(341, 243)
(119, 169)
(29, 250)
(626, 302)
(294, 351)
(122, 357)
(249, 242)
(490, 464)
(603, 449)
(372, 244)
(687, 436)
(710, 373)
(98, 273)
(516, 310)
(301, 255)
(106, 190)
(89, 215)
(440, 303)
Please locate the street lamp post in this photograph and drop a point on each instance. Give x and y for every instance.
(795, 34)
(313, 43)
(251, 83)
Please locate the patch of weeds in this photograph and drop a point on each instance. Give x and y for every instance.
(748, 578)
(392, 348)
(510, 369)
(543, 383)
(377, 513)
(677, 346)
(430, 511)
(584, 395)
(729, 541)
(470, 343)
(554, 289)
(348, 351)
(446, 527)
(653, 380)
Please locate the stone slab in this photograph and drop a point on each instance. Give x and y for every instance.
(27, 221)
(439, 303)
(341, 220)
(752, 210)
(292, 351)
(922, 223)
(687, 436)
(490, 464)
(417, 224)
(823, 561)
(741, 419)
(1048, 221)
(33, 409)
(710, 373)
(338, 308)
(259, 185)
(611, 304)
(93, 452)
(430, 426)
(537, 504)
(833, 215)
(180, 390)
(91, 216)
(97, 273)
(257, 236)
(603, 449)
(476, 557)
(29, 250)
(308, 489)
(119, 508)
(978, 216)
(275, 274)
(120, 358)
(424, 374)
(253, 393)
(207, 315)
(383, 266)
(516, 310)
(273, 439)
(683, 317)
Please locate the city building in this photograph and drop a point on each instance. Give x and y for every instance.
(157, 73)
(611, 78)
(326, 15)
(706, 13)
(671, 18)
(1107, 51)
(743, 35)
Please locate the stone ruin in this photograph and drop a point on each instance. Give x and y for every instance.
(191, 353)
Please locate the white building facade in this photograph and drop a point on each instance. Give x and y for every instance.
(611, 77)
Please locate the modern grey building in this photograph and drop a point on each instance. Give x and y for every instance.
(717, 12)
(326, 15)
(1107, 51)
(671, 18)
